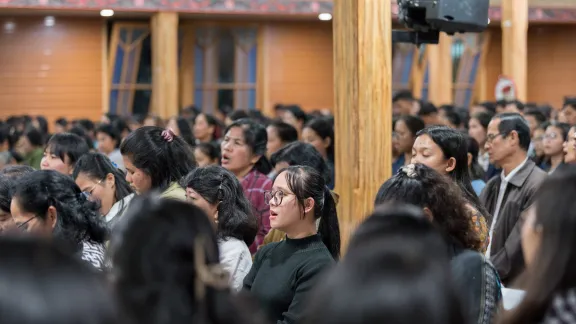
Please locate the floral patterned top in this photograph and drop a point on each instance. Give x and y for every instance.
(480, 227)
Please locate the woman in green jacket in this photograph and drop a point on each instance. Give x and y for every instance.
(30, 145)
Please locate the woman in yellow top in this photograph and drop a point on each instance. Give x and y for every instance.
(156, 159)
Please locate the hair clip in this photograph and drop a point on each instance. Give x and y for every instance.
(409, 170)
(212, 275)
(168, 135)
(114, 164)
(220, 192)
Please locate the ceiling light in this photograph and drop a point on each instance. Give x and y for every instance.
(49, 21)
(107, 13)
(325, 16)
(9, 26)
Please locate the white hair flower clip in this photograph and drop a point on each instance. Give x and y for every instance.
(409, 170)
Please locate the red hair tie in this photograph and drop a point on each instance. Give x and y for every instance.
(168, 135)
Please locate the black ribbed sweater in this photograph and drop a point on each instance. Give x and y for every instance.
(283, 274)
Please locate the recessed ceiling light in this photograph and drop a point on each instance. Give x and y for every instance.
(49, 21)
(325, 16)
(9, 26)
(107, 13)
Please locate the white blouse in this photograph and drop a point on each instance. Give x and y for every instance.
(235, 257)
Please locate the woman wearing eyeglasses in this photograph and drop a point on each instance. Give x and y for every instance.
(101, 181)
(554, 137)
(284, 272)
(49, 204)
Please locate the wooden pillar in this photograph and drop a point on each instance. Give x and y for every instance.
(165, 64)
(187, 67)
(515, 44)
(363, 106)
(441, 80)
(418, 70)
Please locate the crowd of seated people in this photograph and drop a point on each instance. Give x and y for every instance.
(233, 218)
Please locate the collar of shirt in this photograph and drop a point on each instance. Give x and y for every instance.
(513, 172)
(115, 210)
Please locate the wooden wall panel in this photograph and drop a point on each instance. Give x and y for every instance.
(299, 66)
(55, 71)
(551, 63)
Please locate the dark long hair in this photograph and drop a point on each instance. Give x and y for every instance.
(83, 133)
(220, 187)
(413, 123)
(454, 145)
(97, 166)
(209, 149)
(297, 112)
(34, 136)
(56, 280)
(305, 182)
(421, 186)
(552, 273)
(67, 145)
(112, 132)
(16, 171)
(256, 138)
(159, 271)
(78, 218)
(42, 125)
(396, 263)
(7, 185)
(213, 121)
(483, 118)
(324, 129)
(185, 130)
(476, 171)
(298, 153)
(286, 132)
(164, 161)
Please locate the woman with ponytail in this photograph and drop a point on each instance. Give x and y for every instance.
(219, 194)
(49, 204)
(244, 154)
(103, 182)
(157, 159)
(284, 272)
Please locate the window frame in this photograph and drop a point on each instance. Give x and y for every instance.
(404, 59)
(191, 87)
(467, 67)
(123, 91)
